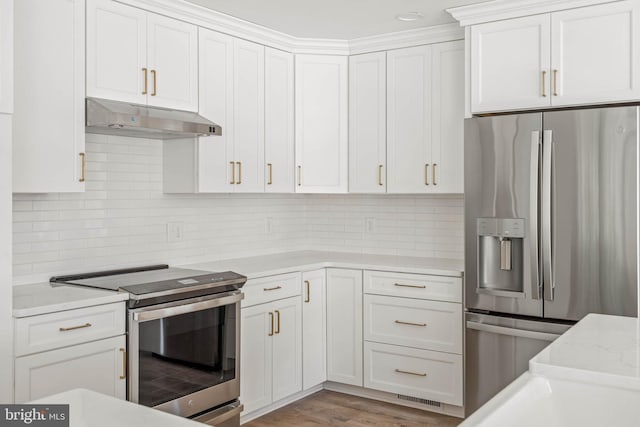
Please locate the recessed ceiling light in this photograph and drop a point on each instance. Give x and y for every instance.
(409, 16)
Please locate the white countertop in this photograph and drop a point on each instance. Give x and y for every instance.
(590, 376)
(91, 409)
(269, 265)
(41, 298)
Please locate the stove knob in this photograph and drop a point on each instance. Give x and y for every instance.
(190, 403)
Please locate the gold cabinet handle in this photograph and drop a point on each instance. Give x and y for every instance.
(72, 328)
(380, 175)
(146, 80)
(299, 176)
(400, 322)
(154, 73)
(278, 322)
(83, 158)
(400, 371)
(544, 83)
(239, 173)
(308, 286)
(271, 330)
(272, 289)
(426, 174)
(270, 167)
(124, 364)
(555, 82)
(433, 174)
(409, 286)
(233, 173)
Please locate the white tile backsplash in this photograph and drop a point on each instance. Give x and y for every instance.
(121, 219)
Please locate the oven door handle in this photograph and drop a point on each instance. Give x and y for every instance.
(175, 310)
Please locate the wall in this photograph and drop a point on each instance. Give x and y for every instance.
(122, 218)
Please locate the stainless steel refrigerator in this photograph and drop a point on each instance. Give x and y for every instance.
(551, 233)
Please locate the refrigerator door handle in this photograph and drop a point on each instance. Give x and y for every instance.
(534, 249)
(520, 333)
(547, 185)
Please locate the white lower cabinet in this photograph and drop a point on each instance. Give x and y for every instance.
(97, 366)
(344, 326)
(314, 328)
(271, 352)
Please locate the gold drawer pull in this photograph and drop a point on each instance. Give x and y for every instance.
(299, 176)
(146, 81)
(272, 289)
(555, 82)
(400, 322)
(239, 173)
(278, 322)
(409, 286)
(426, 174)
(544, 83)
(154, 73)
(83, 157)
(270, 166)
(124, 364)
(380, 175)
(433, 174)
(86, 325)
(400, 371)
(233, 172)
(271, 317)
(308, 285)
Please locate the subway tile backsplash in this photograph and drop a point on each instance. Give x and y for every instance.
(121, 220)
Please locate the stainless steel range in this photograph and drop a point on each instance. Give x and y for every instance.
(183, 338)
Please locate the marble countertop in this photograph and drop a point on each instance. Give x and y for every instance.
(91, 409)
(42, 298)
(269, 265)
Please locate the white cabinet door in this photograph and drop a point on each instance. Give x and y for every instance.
(214, 153)
(344, 326)
(172, 60)
(248, 116)
(256, 357)
(367, 123)
(97, 366)
(116, 51)
(48, 126)
(278, 123)
(447, 151)
(287, 348)
(314, 328)
(595, 54)
(321, 124)
(6, 55)
(510, 64)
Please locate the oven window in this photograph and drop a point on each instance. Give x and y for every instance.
(183, 354)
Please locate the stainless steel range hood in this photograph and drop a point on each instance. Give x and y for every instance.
(141, 121)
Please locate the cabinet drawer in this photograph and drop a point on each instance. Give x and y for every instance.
(55, 330)
(441, 288)
(266, 289)
(411, 372)
(430, 325)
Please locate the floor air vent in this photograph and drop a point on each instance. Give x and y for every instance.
(419, 400)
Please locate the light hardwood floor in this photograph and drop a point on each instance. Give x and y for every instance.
(328, 408)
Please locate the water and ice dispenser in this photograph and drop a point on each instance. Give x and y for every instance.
(500, 255)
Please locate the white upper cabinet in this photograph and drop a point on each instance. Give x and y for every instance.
(368, 123)
(510, 64)
(447, 128)
(279, 125)
(48, 121)
(409, 120)
(6, 53)
(321, 108)
(140, 57)
(595, 53)
(580, 56)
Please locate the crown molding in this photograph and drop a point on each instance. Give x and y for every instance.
(496, 10)
(217, 21)
(415, 37)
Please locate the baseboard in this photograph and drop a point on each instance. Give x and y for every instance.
(454, 411)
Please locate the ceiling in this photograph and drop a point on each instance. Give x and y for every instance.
(336, 19)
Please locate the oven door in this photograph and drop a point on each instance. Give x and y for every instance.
(184, 356)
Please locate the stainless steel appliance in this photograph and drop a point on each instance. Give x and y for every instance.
(551, 233)
(183, 339)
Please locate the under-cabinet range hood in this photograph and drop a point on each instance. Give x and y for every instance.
(142, 121)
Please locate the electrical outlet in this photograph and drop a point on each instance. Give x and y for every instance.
(370, 225)
(268, 225)
(175, 231)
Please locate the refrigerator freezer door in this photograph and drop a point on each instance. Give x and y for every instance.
(593, 212)
(502, 173)
(497, 351)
